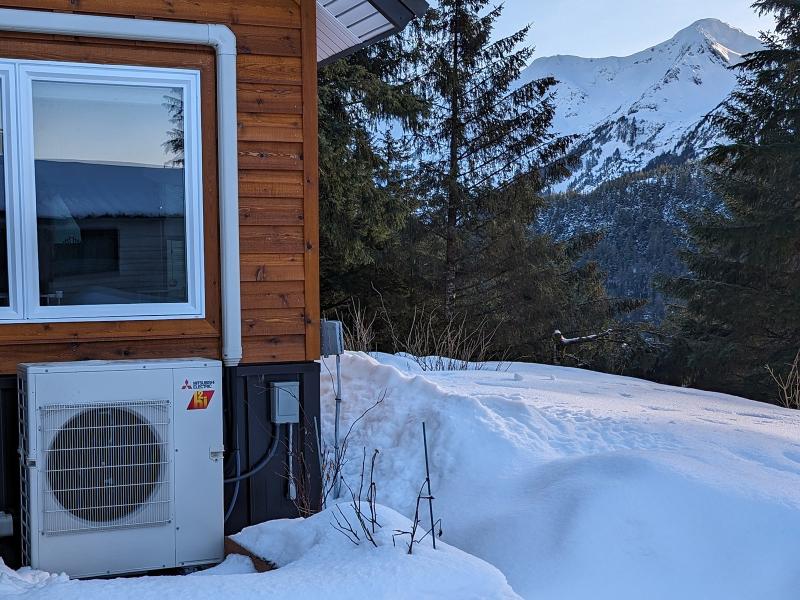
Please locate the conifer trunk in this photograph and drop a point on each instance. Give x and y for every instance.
(451, 257)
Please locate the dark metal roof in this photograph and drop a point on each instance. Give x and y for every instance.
(401, 12)
(397, 14)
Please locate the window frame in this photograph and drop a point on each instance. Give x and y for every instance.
(15, 309)
(21, 180)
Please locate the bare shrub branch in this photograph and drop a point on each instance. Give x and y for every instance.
(415, 523)
(438, 343)
(359, 328)
(305, 502)
(344, 527)
(788, 384)
(366, 524)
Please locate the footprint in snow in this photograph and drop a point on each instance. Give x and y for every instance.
(756, 416)
(714, 421)
(792, 456)
(716, 410)
(763, 459)
(663, 409)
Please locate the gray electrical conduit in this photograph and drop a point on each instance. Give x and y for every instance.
(235, 495)
(239, 477)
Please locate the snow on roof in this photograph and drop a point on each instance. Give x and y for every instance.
(78, 190)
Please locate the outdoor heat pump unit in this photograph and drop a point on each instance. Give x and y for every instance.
(121, 465)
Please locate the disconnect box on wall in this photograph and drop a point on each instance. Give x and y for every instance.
(6, 525)
(285, 401)
(331, 338)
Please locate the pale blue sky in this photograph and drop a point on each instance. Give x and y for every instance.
(595, 28)
(101, 123)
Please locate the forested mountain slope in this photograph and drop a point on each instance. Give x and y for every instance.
(640, 124)
(641, 216)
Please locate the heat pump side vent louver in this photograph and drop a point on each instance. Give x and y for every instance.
(24, 452)
(106, 466)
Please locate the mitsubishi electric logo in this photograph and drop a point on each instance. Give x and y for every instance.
(199, 384)
(202, 391)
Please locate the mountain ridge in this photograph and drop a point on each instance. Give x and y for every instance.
(634, 111)
(640, 123)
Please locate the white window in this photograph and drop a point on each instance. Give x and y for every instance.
(101, 214)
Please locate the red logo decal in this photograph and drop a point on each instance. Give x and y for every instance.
(200, 400)
(186, 385)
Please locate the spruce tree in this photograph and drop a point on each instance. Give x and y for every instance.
(486, 151)
(364, 200)
(451, 227)
(742, 299)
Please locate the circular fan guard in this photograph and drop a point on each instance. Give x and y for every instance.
(104, 463)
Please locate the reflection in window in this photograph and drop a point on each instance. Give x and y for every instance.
(110, 193)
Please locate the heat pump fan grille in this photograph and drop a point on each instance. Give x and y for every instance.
(107, 466)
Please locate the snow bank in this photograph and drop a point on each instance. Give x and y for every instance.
(315, 561)
(584, 485)
(25, 580)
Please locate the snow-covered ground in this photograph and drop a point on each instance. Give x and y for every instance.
(559, 483)
(314, 560)
(584, 485)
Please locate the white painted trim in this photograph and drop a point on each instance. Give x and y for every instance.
(16, 286)
(227, 142)
(224, 42)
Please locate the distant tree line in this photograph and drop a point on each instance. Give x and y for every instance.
(642, 217)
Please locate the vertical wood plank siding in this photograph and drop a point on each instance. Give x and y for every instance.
(278, 182)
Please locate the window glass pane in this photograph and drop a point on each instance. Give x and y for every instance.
(4, 284)
(110, 194)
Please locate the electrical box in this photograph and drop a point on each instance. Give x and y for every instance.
(6, 525)
(285, 401)
(331, 337)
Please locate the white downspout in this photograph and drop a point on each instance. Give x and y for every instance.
(223, 41)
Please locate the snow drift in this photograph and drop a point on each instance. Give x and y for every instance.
(314, 560)
(585, 485)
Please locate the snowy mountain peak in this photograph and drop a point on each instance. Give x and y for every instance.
(718, 33)
(633, 111)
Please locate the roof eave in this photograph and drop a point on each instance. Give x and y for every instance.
(399, 13)
(353, 49)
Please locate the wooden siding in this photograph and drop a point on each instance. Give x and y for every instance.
(311, 175)
(278, 182)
